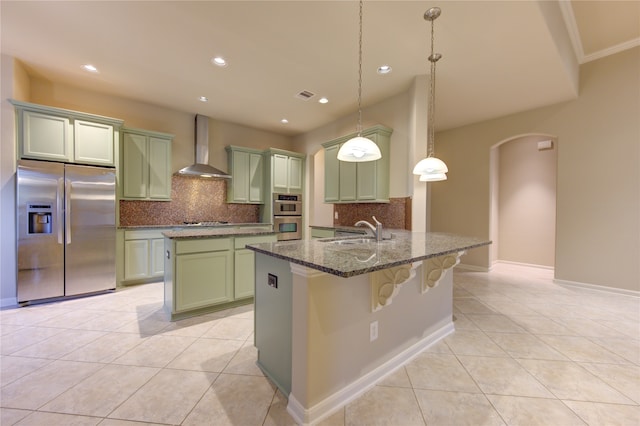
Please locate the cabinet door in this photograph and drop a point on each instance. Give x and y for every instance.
(331, 174)
(135, 166)
(159, 163)
(366, 176)
(240, 181)
(280, 173)
(348, 181)
(203, 279)
(136, 259)
(244, 273)
(157, 257)
(255, 178)
(93, 143)
(294, 176)
(46, 137)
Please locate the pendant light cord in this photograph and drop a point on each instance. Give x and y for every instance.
(433, 58)
(359, 127)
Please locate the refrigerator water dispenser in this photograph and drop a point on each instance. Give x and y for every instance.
(40, 218)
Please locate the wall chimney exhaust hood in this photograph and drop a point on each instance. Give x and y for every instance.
(201, 167)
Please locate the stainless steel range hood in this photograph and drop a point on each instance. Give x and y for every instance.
(201, 167)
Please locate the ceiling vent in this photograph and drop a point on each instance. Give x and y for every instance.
(305, 95)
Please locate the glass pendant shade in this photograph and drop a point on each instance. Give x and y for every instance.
(430, 166)
(359, 149)
(433, 177)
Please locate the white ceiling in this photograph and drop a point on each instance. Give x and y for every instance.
(499, 57)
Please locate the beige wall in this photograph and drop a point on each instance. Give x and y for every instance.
(598, 193)
(526, 202)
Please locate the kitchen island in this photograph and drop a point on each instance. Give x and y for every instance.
(207, 269)
(335, 316)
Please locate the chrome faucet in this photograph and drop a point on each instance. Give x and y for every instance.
(377, 230)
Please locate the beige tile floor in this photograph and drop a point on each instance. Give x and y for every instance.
(526, 351)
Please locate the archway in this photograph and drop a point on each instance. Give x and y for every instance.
(523, 173)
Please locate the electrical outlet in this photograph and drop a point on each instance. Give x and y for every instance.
(335, 215)
(272, 280)
(373, 331)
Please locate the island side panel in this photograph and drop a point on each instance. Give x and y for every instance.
(169, 253)
(331, 343)
(273, 319)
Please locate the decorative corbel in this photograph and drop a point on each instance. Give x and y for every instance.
(435, 268)
(386, 283)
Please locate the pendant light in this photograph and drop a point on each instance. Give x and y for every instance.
(359, 148)
(431, 169)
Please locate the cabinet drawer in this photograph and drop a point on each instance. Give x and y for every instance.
(202, 245)
(253, 239)
(144, 234)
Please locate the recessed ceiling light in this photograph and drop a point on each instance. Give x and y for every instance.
(90, 68)
(323, 100)
(384, 69)
(219, 61)
(203, 99)
(284, 121)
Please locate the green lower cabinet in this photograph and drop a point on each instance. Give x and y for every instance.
(142, 256)
(205, 275)
(205, 279)
(244, 269)
(244, 264)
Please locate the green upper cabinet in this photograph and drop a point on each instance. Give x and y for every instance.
(55, 134)
(93, 143)
(46, 136)
(146, 165)
(247, 175)
(367, 182)
(331, 174)
(286, 171)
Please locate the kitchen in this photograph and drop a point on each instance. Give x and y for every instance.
(162, 119)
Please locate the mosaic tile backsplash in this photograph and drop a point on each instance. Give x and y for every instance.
(395, 214)
(192, 200)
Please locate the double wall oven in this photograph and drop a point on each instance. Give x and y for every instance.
(287, 216)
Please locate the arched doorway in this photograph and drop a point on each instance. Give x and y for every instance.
(523, 200)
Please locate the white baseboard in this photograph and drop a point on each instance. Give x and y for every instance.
(471, 268)
(330, 405)
(526, 265)
(594, 287)
(9, 302)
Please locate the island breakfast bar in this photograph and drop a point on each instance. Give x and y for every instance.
(335, 316)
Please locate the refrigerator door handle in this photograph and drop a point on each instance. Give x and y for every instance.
(67, 210)
(59, 209)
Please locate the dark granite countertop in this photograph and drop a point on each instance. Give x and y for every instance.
(196, 232)
(361, 257)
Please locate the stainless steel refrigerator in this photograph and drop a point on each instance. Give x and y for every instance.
(66, 230)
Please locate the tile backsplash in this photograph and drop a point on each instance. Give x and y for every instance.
(395, 214)
(192, 200)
